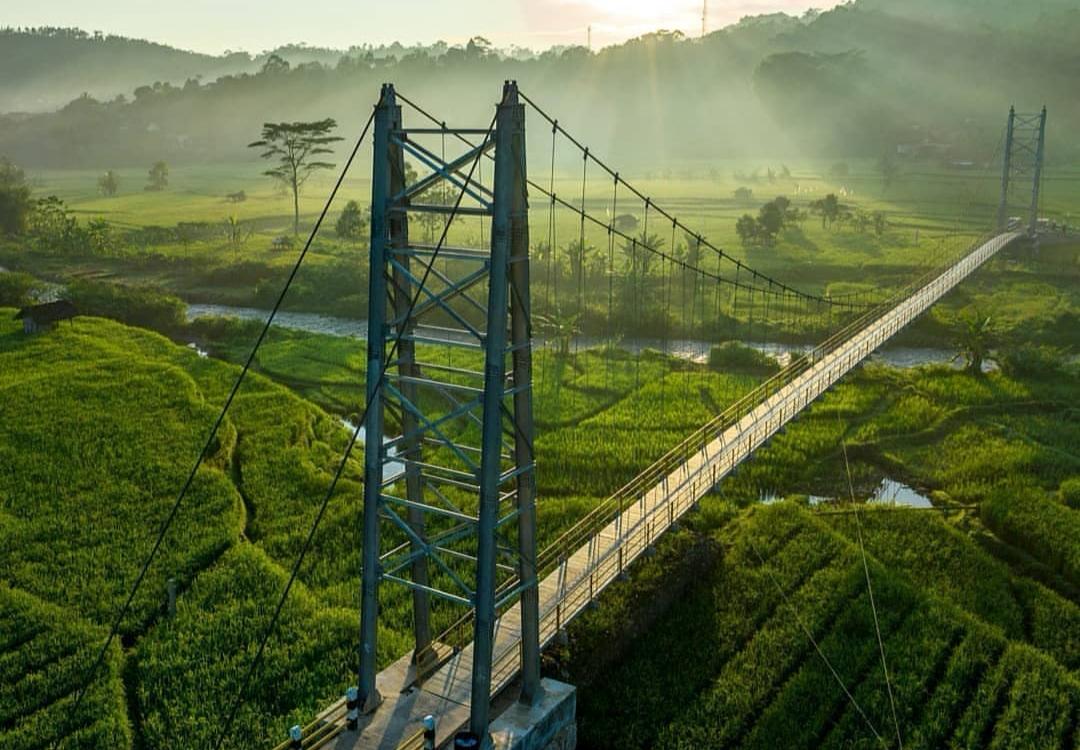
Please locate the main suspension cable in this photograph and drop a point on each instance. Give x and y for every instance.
(210, 438)
(238, 701)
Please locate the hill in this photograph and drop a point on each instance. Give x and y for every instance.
(856, 80)
(47, 68)
(103, 422)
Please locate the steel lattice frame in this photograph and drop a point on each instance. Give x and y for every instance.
(458, 481)
(1025, 151)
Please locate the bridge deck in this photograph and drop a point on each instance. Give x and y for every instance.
(581, 577)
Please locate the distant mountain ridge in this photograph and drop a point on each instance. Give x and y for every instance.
(48, 67)
(856, 80)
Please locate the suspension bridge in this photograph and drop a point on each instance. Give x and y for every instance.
(629, 524)
(450, 441)
(513, 617)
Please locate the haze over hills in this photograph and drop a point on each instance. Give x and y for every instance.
(856, 80)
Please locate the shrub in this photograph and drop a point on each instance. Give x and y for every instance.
(142, 306)
(15, 289)
(732, 356)
(15, 202)
(1069, 492)
(1033, 361)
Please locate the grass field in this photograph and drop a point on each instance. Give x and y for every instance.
(242, 525)
(730, 664)
(929, 209)
(979, 609)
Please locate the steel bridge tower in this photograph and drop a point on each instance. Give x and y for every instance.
(449, 470)
(1025, 151)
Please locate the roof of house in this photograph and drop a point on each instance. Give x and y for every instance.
(50, 312)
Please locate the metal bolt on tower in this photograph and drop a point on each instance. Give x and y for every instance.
(449, 485)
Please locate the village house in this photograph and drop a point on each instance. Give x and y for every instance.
(44, 317)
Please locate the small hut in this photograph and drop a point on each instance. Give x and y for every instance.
(45, 317)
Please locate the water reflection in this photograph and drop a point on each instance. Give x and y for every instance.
(888, 492)
(392, 470)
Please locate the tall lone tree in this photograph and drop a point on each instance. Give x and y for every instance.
(295, 148)
(109, 184)
(158, 177)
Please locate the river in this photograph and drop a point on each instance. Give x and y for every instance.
(695, 350)
(888, 492)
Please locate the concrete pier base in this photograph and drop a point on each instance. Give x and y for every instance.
(548, 724)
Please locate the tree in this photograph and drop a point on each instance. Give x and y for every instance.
(770, 221)
(862, 221)
(579, 255)
(638, 253)
(236, 234)
(275, 64)
(350, 225)
(743, 193)
(828, 208)
(53, 225)
(99, 235)
(15, 203)
(881, 223)
(438, 194)
(109, 184)
(889, 170)
(158, 177)
(974, 339)
(561, 327)
(746, 227)
(295, 147)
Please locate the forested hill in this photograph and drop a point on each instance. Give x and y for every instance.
(46, 68)
(856, 80)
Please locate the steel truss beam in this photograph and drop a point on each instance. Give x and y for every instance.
(451, 512)
(1025, 151)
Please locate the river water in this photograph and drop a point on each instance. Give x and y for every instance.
(690, 349)
(888, 492)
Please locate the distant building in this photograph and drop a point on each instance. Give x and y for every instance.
(44, 317)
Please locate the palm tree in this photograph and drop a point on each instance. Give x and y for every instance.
(974, 340)
(561, 327)
(638, 255)
(579, 254)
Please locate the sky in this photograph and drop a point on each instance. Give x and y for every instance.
(214, 26)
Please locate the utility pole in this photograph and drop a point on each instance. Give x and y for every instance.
(588, 37)
(704, 17)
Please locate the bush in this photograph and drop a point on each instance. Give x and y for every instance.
(732, 356)
(1069, 492)
(142, 306)
(15, 202)
(1033, 361)
(15, 289)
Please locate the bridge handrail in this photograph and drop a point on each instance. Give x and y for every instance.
(610, 509)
